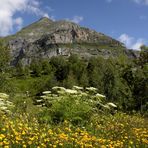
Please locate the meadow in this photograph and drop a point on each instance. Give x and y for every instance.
(42, 105)
(118, 131)
(70, 118)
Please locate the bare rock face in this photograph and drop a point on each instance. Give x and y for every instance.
(46, 38)
(18, 47)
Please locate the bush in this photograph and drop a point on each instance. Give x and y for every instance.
(76, 105)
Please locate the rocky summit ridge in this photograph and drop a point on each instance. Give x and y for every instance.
(46, 38)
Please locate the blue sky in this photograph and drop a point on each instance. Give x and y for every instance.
(125, 20)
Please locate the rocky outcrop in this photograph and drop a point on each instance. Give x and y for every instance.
(46, 38)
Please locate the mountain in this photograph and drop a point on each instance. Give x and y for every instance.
(46, 38)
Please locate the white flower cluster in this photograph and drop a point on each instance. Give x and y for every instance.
(5, 105)
(88, 95)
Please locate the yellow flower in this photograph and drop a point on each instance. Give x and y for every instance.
(145, 141)
(66, 129)
(2, 136)
(24, 146)
(43, 145)
(3, 129)
(23, 132)
(29, 142)
(131, 142)
(1, 143)
(50, 132)
(5, 142)
(18, 138)
(6, 146)
(61, 144)
(31, 138)
(63, 136)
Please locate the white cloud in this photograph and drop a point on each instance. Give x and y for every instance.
(138, 44)
(127, 40)
(33, 7)
(18, 22)
(131, 42)
(144, 2)
(76, 19)
(8, 9)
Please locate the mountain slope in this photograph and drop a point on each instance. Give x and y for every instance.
(46, 38)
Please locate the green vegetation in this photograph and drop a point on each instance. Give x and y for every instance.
(71, 118)
(46, 108)
(122, 80)
(98, 46)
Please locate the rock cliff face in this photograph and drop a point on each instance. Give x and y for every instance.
(46, 38)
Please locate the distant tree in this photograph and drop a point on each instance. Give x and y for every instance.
(140, 89)
(70, 81)
(73, 58)
(84, 81)
(109, 77)
(143, 58)
(60, 67)
(36, 68)
(46, 67)
(21, 70)
(95, 70)
(4, 57)
(77, 66)
(4, 67)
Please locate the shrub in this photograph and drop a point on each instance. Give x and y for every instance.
(76, 105)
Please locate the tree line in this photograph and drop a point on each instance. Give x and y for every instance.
(122, 80)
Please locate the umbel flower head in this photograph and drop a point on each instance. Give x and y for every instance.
(88, 95)
(5, 105)
(4, 96)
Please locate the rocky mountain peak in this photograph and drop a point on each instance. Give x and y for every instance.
(45, 20)
(46, 38)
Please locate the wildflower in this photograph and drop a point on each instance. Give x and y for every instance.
(111, 104)
(6, 146)
(70, 91)
(46, 92)
(100, 95)
(91, 88)
(4, 96)
(63, 136)
(24, 146)
(61, 144)
(2, 136)
(29, 142)
(77, 88)
(54, 146)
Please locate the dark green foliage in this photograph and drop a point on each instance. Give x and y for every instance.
(36, 68)
(4, 57)
(143, 59)
(75, 105)
(4, 68)
(43, 83)
(21, 70)
(60, 67)
(95, 70)
(70, 81)
(46, 67)
(84, 79)
(67, 109)
(123, 80)
(109, 79)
